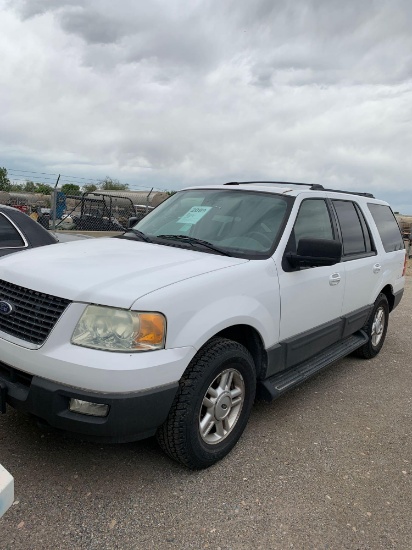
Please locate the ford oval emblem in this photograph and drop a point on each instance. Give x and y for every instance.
(5, 308)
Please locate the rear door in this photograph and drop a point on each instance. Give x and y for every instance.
(363, 270)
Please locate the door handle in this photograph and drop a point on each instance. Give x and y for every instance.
(334, 279)
(377, 268)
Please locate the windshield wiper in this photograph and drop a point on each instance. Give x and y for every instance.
(194, 241)
(140, 234)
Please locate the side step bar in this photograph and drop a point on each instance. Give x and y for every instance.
(276, 385)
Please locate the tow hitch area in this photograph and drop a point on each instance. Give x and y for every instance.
(3, 392)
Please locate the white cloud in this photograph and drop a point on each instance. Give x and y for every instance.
(171, 93)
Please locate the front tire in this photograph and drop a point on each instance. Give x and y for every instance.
(212, 405)
(375, 328)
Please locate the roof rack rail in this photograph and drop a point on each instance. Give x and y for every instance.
(312, 187)
(369, 195)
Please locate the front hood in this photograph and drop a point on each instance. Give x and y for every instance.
(113, 272)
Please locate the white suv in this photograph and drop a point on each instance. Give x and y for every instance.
(220, 292)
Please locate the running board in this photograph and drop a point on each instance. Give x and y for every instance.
(276, 385)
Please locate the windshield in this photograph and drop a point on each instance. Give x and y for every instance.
(239, 222)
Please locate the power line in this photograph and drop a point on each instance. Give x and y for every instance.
(79, 178)
(15, 173)
(32, 177)
(33, 172)
(22, 172)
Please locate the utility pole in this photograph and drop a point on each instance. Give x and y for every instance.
(54, 204)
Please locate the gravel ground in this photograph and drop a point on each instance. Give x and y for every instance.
(327, 466)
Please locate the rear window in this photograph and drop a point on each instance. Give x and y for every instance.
(9, 236)
(387, 226)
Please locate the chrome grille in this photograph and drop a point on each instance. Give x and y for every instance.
(34, 313)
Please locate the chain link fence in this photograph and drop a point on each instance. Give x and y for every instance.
(92, 211)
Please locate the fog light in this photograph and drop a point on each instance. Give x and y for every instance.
(86, 407)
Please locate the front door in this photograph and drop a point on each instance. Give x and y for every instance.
(311, 298)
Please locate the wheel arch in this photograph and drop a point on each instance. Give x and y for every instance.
(388, 292)
(250, 338)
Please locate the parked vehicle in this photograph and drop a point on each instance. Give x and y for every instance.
(220, 293)
(20, 232)
(97, 213)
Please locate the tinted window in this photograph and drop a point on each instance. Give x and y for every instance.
(9, 236)
(351, 227)
(366, 231)
(387, 226)
(313, 221)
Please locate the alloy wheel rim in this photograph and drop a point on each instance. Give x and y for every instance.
(221, 406)
(378, 326)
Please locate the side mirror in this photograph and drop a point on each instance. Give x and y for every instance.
(315, 253)
(132, 221)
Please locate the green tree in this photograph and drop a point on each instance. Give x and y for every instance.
(4, 180)
(29, 187)
(109, 184)
(17, 187)
(43, 189)
(71, 189)
(89, 188)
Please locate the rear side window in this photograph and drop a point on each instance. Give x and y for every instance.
(355, 234)
(387, 226)
(9, 236)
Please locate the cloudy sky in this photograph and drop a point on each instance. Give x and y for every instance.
(169, 93)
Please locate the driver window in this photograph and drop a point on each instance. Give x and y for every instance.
(313, 221)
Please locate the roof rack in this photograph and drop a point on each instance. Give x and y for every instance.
(369, 195)
(312, 187)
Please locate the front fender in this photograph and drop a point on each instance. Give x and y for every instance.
(198, 308)
(224, 313)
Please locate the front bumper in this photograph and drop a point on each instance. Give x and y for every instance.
(131, 416)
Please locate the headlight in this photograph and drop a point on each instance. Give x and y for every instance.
(111, 329)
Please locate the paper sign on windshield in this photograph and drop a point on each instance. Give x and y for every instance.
(195, 214)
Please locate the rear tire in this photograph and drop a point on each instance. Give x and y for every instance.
(212, 405)
(375, 328)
